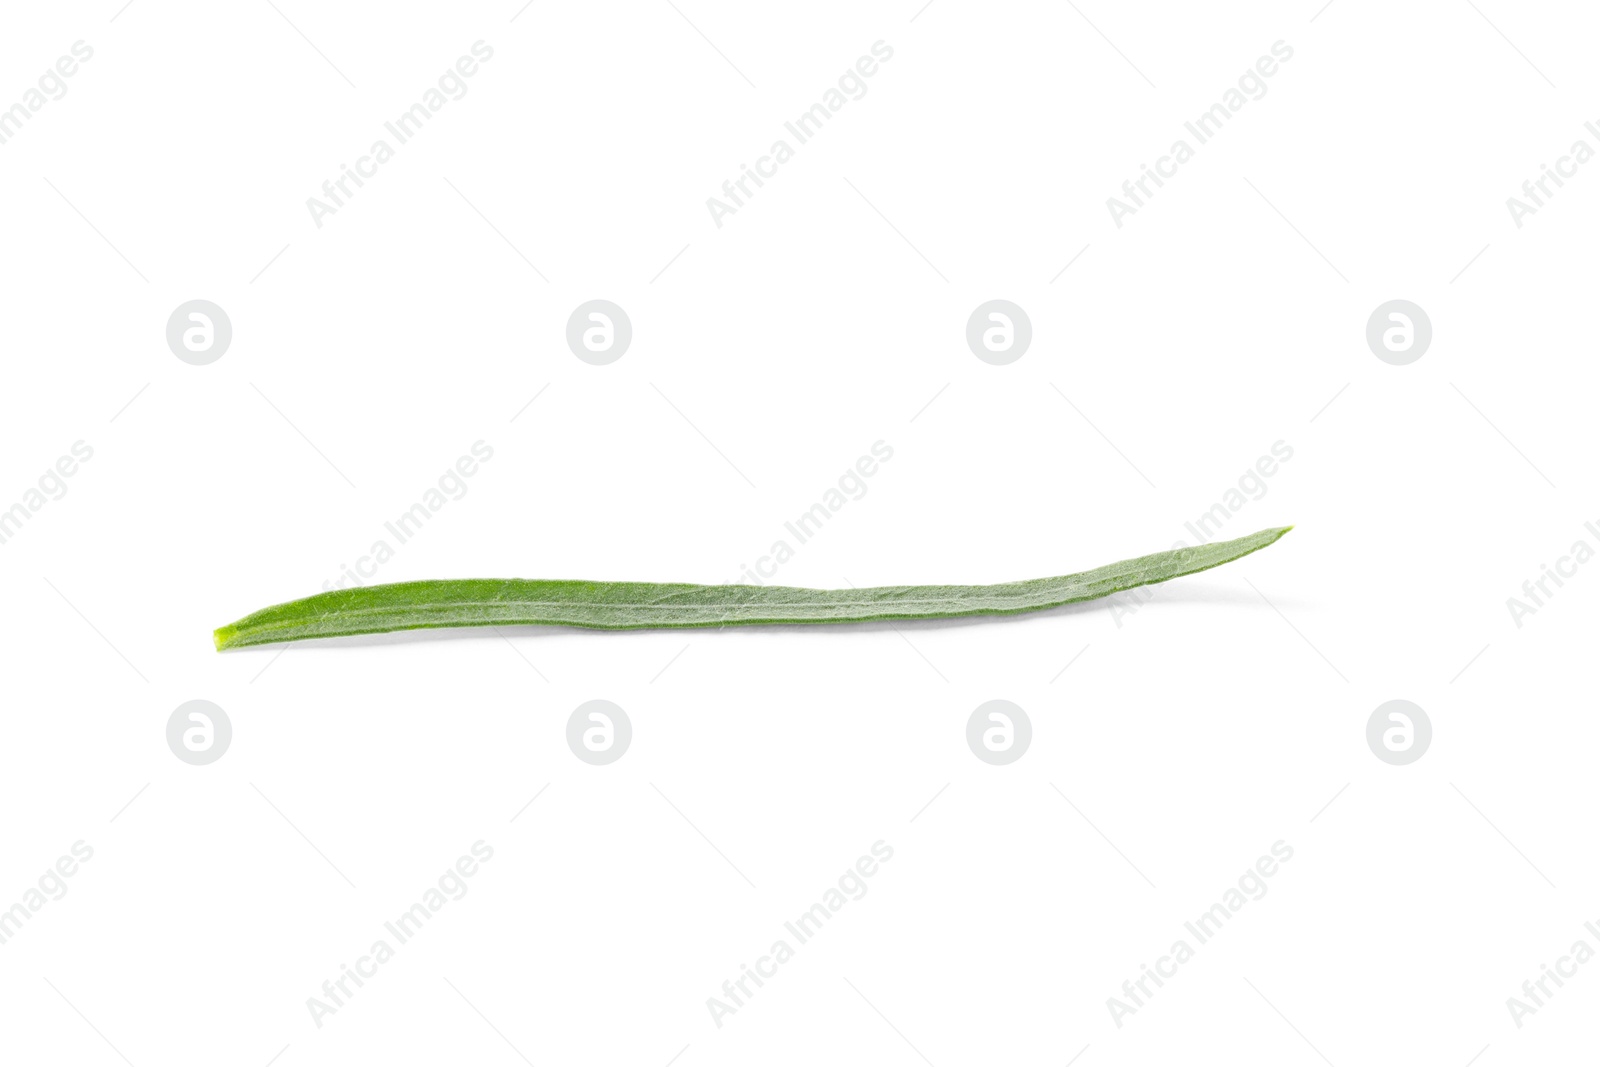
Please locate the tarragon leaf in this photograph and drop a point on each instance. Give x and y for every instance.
(649, 605)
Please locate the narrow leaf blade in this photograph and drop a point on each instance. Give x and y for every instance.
(651, 605)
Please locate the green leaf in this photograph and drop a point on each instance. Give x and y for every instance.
(648, 605)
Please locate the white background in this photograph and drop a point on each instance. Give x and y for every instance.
(827, 314)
